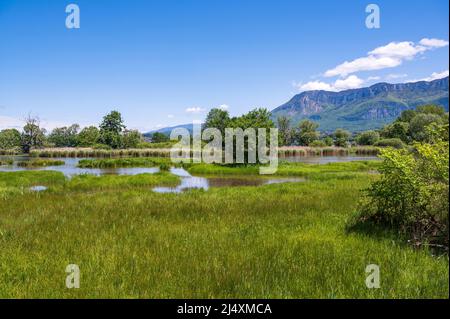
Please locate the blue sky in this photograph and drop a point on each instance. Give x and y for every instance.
(168, 62)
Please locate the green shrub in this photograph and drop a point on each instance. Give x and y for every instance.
(318, 143)
(412, 194)
(390, 142)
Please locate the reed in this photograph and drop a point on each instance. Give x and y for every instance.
(40, 163)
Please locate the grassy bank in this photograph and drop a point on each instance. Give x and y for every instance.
(162, 163)
(40, 163)
(6, 162)
(90, 152)
(163, 150)
(280, 241)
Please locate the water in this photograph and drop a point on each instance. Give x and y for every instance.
(70, 168)
(329, 159)
(195, 182)
(38, 188)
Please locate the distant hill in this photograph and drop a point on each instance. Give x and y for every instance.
(167, 130)
(365, 108)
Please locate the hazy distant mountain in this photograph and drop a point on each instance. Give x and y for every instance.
(167, 130)
(365, 108)
(357, 109)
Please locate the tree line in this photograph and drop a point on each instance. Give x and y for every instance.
(408, 127)
(111, 133)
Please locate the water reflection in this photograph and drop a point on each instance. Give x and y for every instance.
(70, 168)
(194, 182)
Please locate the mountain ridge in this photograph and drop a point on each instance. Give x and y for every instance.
(364, 108)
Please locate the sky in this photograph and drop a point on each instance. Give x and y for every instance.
(167, 62)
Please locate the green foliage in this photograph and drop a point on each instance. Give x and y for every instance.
(390, 142)
(307, 132)
(367, 138)
(131, 139)
(284, 131)
(217, 118)
(88, 136)
(412, 194)
(64, 136)
(32, 135)
(397, 130)
(328, 140)
(40, 163)
(341, 137)
(158, 137)
(111, 129)
(9, 139)
(418, 124)
(318, 143)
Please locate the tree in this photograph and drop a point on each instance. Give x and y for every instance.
(406, 116)
(9, 139)
(111, 129)
(131, 139)
(367, 138)
(398, 129)
(284, 130)
(418, 124)
(217, 118)
(32, 135)
(307, 132)
(64, 136)
(341, 137)
(430, 109)
(88, 136)
(159, 137)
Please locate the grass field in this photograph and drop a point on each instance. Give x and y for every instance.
(293, 240)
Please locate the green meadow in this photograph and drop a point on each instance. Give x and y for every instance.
(292, 240)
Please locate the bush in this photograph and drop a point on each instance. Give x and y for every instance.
(390, 142)
(412, 194)
(367, 138)
(318, 143)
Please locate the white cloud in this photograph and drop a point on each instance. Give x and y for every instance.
(170, 116)
(373, 78)
(389, 56)
(224, 107)
(313, 86)
(435, 43)
(433, 76)
(370, 63)
(194, 110)
(351, 82)
(404, 49)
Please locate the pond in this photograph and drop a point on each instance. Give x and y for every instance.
(195, 182)
(70, 167)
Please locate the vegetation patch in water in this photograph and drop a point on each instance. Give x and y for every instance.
(162, 163)
(40, 163)
(6, 162)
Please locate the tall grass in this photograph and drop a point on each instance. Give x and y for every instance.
(162, 163)
(40, 163)
(301, 151)
(90, 152)
(275, 241)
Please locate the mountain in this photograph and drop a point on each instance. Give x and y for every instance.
(167, 130)
(365, 108)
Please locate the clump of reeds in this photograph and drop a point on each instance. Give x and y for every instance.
(40, 163)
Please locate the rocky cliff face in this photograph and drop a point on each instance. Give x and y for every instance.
(369, 107)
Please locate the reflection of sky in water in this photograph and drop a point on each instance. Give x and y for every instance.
(194, 182)
(70, 168)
